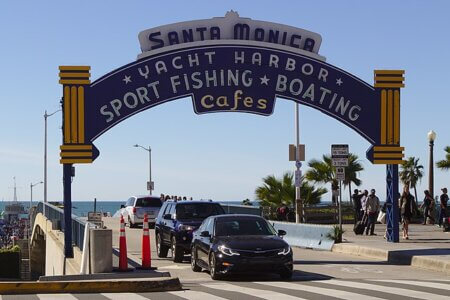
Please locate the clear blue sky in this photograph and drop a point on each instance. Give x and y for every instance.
(218, 156)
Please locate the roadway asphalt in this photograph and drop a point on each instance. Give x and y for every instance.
(318, 275)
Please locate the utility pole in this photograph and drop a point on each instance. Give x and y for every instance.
(298, 165)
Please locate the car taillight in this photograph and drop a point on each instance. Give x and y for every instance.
(134, 210)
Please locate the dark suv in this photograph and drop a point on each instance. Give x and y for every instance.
(175, 223)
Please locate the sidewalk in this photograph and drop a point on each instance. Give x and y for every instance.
(428, 247)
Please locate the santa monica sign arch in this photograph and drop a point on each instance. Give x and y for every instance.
(231, 64)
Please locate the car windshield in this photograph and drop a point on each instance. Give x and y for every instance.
(148, 202)
(198, 210)
(249, 226)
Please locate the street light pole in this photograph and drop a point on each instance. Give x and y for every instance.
(31, 192)
(45, 152)
(431, 138)
(149, 150)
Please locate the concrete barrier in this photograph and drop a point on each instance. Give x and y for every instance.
(306, 235)
(242, 209)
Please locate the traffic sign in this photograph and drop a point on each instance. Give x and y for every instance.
(150, 185)
(339, 162)
(340, 173)
(339, 150)
(339, 155)
(298, 177)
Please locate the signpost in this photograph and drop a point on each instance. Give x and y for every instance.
(339, 159)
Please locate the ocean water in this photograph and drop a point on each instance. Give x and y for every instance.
(81, 208)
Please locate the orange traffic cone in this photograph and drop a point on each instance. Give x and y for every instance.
(123, 259)
(146, 254)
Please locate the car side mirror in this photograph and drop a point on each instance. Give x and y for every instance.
(167, 217)
(122, 206)
(205, 234)
(281, 232)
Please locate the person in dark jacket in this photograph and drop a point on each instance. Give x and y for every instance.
(427, 206)
(356, 197)
(408, 208)
(443, 206)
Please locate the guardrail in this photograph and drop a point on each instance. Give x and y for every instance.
(56, 216)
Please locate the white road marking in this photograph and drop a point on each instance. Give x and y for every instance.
(174, 267)
(319, 290)
(194, 295)
(269, 295)
(386, 289)
(441, 286)
(123, 296)
(56, 297)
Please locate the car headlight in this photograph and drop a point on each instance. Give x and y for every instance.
(227, 251)
(185, 227)
(285, 251)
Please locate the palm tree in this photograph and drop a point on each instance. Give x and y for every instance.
(323, 172)
(277, 192)
(351, 173)
(445, 163)
(411, 173)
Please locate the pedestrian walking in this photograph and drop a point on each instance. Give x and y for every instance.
(408, 208)
(443, 206)
(364, 197)
(356, 197)
(427, 206)
(372, 207)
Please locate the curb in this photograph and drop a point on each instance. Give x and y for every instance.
(396, 257)
(361, 251)
(105, 276)
(100, 286)
(429, 263)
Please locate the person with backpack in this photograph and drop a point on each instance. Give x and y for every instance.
(427, 206)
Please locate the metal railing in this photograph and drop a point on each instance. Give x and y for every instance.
(56, 216)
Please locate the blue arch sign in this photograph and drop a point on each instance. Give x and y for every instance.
(231, 78)
(230, 64)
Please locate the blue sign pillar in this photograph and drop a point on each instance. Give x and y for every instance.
(67, 179)
(392, 209)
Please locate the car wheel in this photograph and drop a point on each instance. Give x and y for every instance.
(286, 274)
(194, 265)
(212, 267)
(161, 250)
(177, 253)
(131, 224)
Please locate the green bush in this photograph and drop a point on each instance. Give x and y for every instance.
(336, 234)
(11, 249)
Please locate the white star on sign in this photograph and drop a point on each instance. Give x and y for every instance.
(264, 80)
(127, 79)
(339, 81)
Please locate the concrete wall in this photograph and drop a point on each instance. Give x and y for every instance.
(47, 250)
(52, 250)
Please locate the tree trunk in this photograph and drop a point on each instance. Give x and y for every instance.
(333, 197)
(415, 195)
(350, 192)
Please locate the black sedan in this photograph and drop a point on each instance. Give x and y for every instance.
(227, 244)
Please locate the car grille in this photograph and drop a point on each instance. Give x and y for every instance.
(257, 253)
